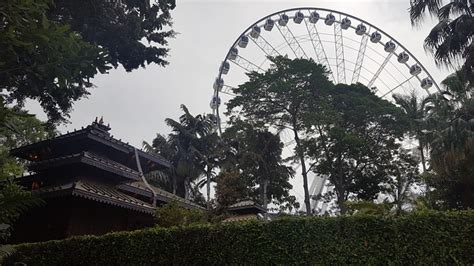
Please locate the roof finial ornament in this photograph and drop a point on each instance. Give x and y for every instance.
(101, 121)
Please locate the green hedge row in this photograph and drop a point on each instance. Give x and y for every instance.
(434, 238)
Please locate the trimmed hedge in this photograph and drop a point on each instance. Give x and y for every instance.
(433, 238)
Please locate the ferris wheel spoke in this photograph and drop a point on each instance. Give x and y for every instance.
(396, 87)
(246, 64)
(339, 46)
(317, 45)
(226, 89)
(360, 58)
(228, 93)
(379, 70)
(265, 46)
(292, 41)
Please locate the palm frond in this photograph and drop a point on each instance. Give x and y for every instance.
(418, 9)
(453, 8)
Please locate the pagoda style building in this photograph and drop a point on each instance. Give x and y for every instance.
(91, 183)
(245, 210)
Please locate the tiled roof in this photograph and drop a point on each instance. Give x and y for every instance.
(246, 204)
(92, 132)
(162, 195)
(90, 159)
(98, 192)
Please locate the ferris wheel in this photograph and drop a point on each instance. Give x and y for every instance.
(351, 48)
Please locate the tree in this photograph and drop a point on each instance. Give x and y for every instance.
(403, 174)
(17, 127)
(191, 148)
(165, 148)
(451, 40)
(352, 136)
(415, 110)
(451, 134)
(52, 49)
(258, 160)
(44, 60)
(171, 214)
(133, 32)
(231, 188)
(279, 98)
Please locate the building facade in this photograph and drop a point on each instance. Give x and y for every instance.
(90, 184)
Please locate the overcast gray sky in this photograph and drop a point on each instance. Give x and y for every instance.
(136, 104)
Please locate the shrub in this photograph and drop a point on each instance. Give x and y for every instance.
(171, 214)
(428, 238)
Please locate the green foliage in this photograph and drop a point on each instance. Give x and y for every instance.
(14, 201)
(134, 33)
(448, 130)
(17, 127)
(354, 139)
(44, 60)
(280, 99)
(368, 208)
(429, 238)
(451, 39)
(171, 214)
(257, 157)
(193, 150)
(231, 188)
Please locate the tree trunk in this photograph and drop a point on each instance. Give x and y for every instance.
(304, 173)
(422, 155)
(208, 187)
(186, 188)
(341, 202)
(174, 185)
(264, 186)
(340, 187)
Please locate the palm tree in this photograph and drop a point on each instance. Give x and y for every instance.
(452, 38)
(450, 115)
(450, 118)
(415, 110)
(161, 146)
(258, 159)
(211, 149)
(186, 135)
(192, 148)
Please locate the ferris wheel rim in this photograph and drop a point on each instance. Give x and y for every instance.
(330, 11)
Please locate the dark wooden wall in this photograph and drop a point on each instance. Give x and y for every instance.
(62, 217)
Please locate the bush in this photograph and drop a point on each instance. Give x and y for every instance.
(171, 214)
(429, 238)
